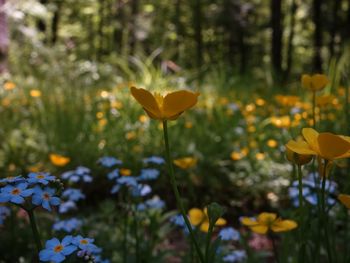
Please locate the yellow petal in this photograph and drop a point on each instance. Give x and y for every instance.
(220, 222)
(177, 102)
(266, 218)
(332, 146)
(204, 226)
(306, 81)
(259, 229)
(345, 199)
(147, 101)
(283, 225)
(196, 216)
(319, 81)
(59, 160)
(300, 147)
(248, 221)
(311, 136)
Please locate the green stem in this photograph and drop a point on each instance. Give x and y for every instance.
(176, 192)
(137, 243)
(207, 246)
(274, 249)
(314, 109)
(35, 231)
(301, 210)
(324, 212)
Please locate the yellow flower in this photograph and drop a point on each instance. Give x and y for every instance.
(299, 159)
(323, 101)
(281, 122)
(168, 107)
(325, 145)
(59, 160)
(9, 85)
(272, 143)
(200, 218)
(268, 221)
(315, 82)
(345, 199)
(35, 93)
(186, 162)
(125, 172)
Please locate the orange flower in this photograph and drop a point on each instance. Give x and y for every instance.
(59, 160)
(168, 107)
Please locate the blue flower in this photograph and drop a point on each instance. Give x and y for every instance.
(42, 178)
(155, 203)
(11, 180)
(66, 207)
(85, 244)
(235, 256)
(45, 198)
(57, 251)
(68, 225)
(148, 174)
(113, 175)
(229, 233)
(4, 212)
(15, 194)
(73, 194)
(81, 173)
(141, 190)
(124, 181)
(178, 220)
(108, 161)
(98, 259)
(154, 159)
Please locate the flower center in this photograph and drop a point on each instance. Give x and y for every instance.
(58, 248)
(84, 242)
(16, 191)
(46, 196)
(40, 176)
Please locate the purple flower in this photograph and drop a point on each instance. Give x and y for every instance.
(73, 194)
(45, 198)
(67, 225)
(42, 178)
(229, 233)
(57, 251)
(154, 159)
(81, 173)
(11, 180)
(108, 161)
(15, 194)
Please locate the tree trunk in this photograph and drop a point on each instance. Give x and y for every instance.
(293, 11)
(4, 38)
(100, 29)
(55, 22)
(197, 16)
(178, 27)
(276, 47)
(334, 26)
(317, 60)
(134, 14)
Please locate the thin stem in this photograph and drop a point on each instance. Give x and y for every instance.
(207, 246)
(137, 243)
(314, 109)
(301, 209)
(274, 248)
(324, 212)
(35, 231)
(176, 192)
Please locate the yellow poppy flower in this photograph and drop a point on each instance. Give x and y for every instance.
(35, 93)
(59, 160)
(325, 145)
(168, 107)
(315, 82)
(200, 218)
(186, 162)
(9, 85)
(268, 221)
(345, 199)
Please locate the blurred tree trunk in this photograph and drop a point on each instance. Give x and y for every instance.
(276, 47)
(348, 22)
(334, 26)
(4, 38)
(178, 27)
(118, 28)
(55, 22)
(197, 21)
(41, 25)
(317, 19)
(134, 14)
(293, 10)
(100, 34)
